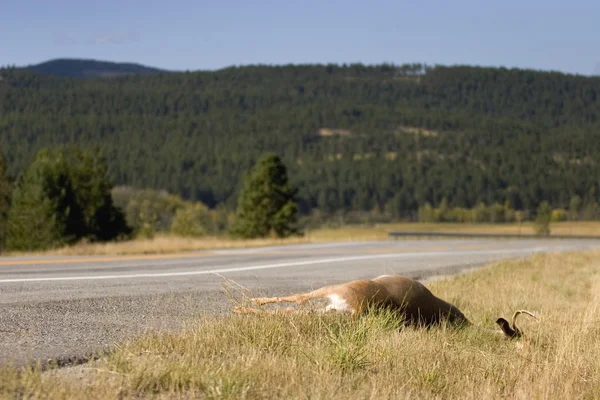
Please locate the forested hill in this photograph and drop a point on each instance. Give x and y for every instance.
(80, 68)
(353, 137)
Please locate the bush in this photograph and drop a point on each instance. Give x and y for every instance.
(543, 218)
(191, 221)
(151, 211)
(574, 208)
(148, 211)
(559, 215)
(590, 211)
(427, 214)
(494, 213)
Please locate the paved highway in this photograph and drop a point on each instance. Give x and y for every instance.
(58, 307)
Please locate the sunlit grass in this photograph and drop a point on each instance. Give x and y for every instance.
(172, 244)
(332, 356)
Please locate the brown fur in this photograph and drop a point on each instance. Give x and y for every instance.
(414, 303)
(411, 298)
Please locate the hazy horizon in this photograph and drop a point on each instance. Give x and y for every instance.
(188, 35)
(133, 62)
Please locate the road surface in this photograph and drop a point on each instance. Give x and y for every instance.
(61, 307)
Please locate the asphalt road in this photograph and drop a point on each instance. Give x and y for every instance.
(60, 307)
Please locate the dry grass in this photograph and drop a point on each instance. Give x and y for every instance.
(331, 356)
(526, 228)
(168, 244)
(172, 244)
(380, 231)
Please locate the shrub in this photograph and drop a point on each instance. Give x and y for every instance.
(559, 215)
(191, 221)
(543, 218)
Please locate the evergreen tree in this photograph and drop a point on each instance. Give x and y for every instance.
(44, 212)
(62, 197)
(88, 172)
(267, 204)
(5, 194)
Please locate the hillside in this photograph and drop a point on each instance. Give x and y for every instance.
(77, 68)
(353, 137)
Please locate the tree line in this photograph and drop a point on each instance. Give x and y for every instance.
(65, 196)
(379, 139)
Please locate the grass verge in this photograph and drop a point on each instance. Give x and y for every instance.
(172, 244)
(331, 356)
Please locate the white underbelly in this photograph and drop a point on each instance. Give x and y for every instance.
(337, 303)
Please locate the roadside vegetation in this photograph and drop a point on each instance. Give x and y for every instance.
(361, 145)
(331, 356)
(168, 243)
(64, 198)
(64, 203)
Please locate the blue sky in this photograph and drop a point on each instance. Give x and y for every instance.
(198, 34)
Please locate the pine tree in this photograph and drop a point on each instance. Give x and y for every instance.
(44, 212)
(62, 197)
(267, 204)
(88, 172)
(5, 194)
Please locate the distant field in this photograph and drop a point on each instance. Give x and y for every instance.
(168, 244)
(329, 356)
(380, 231)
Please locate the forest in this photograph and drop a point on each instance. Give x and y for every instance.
(355, 138)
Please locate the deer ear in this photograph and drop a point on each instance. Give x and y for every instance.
(505, 326)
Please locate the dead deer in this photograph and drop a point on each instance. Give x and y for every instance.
(415, 304)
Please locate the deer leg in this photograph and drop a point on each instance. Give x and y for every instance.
(249, 310)
(298, 298)
(245, 310)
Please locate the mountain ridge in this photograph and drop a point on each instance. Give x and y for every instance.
(91, 68)
(72, 67)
